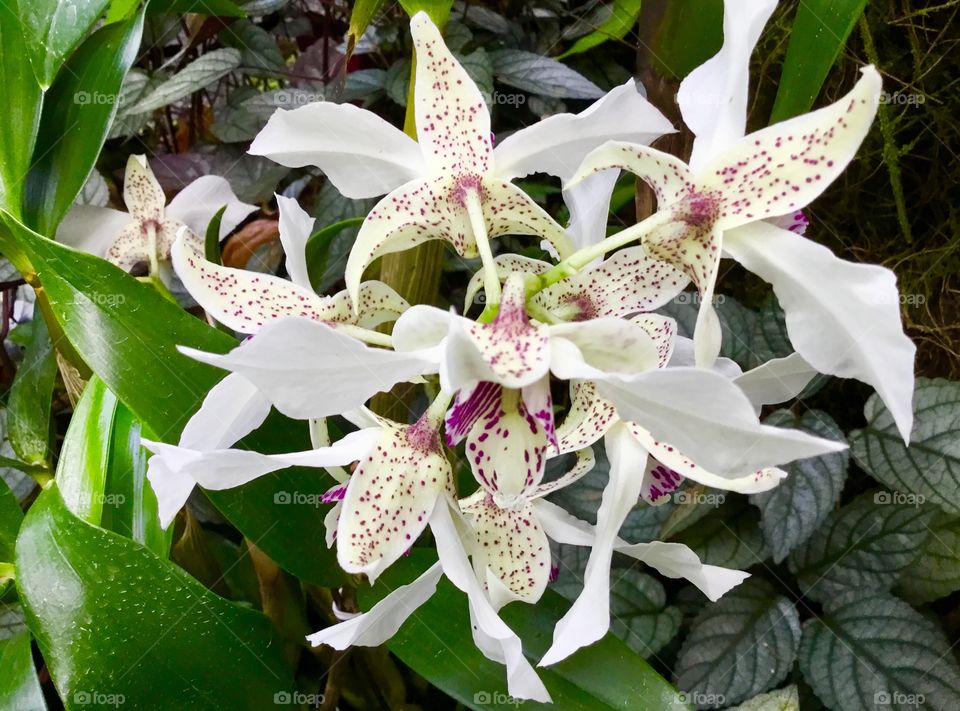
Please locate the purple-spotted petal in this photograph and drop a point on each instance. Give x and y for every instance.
(583, 466)
(480, 402)
(589, 418)
(667, 175)
(509, 210)
(142, 194)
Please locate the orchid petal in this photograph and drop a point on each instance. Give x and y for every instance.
(583, 466)
(453, 123)
(330, 522)
(843, 318)
(492, 636)
(309, 370)
(421, 327)
(589, 204)
(777, 380)
(383, 620)
(668, 176)
(92, 229)
(509, 210)
(482, 401)
(556, 145)
(713, 97)
(708, 418)
(588, 619)
(781, 168)
(296, 226)
(602, 347)
(362, 155)
(196, 205)
(171, 486)
(142, 194)
(506, 264)
(588, 419)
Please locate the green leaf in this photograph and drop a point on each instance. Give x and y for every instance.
(937, 571)
(211, 241)
(10, 518)
(820, 30)
(78, 111)
(438, 10)
(21, 97)
(792, 511)
(360, 17)
(200, 73)
(866, 545)
(91, 596)
(622, 19)
(317, 250)
(258, 48)
(28, 407)
(219, 8)
(690, 32)
(436, 642)
(744, 644)
(138, 325)
(19, 686)
(541, 75)
(873, 651)
(785, 699)
(53, 29)
(121, 10)
(929, 468)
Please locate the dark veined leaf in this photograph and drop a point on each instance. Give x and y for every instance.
(744, 644)
(730, 536)
(639, 612)
(21, 97)
(437, 643)
(78, 111)
(19, 687)
(820, 30)
(28, 407)
(937, 571)
(201, 72)
(115, 320)
(865, 545)
(785, 699)
(792, 511)
(930, 467)
(114, 621)
(259, 53)
(873, 651)
(623, 17)
(541, 75)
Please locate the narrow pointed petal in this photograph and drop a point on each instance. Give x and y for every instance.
(453, 123)
(777, 380)
(784, 167)
(142, 194)
(379, 304)
(198, 202)
(330, 522)
(557, 144)
(588, 619)
(381, 622)
(421, 327)
(842, 317)
(506, 265)
(171, 486)
(308, 369)
(713, 97)
(588, 419)
(707, 334)
(92, 229)
(509, 210)
(492, 636)
(675, 560)
(659, 481)
(510, 543)
(390, 498)
(667, 175)
(296, 226)
(583, 466)
(708, 418)
(361, 154)
(129, 247)
(605, 347)
(589, 204)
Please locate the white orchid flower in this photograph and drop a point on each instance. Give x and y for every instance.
(451, 184)
(148, 230)
(843, 318)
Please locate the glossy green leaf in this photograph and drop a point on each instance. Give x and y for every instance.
(19, 687)
(927, 470)
(436, 642)
(22, 98)
(53, 29)
(138, 325)
(871, 651)
(438, 10)
(78, 111)
(28, 407)
(623, 16)
(10, 518)
(211, 241)
(200, 73)
(91, 596)
(360, 17)
(121, 10)
(820, 29)
(219, 8)
(319, 246)
(744, 644)
(866, 545)
(690, 32)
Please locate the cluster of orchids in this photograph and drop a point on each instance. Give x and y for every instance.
(566, 353)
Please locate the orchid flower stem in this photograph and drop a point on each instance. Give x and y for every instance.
(320, 438)
(373, 338)
(491, 279)
(438, 408)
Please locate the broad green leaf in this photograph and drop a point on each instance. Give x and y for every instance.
(792, 511)
(478, 65)
(622, 18)
(690, 32)
(729, 537)
(91, 596)
(866, 545)
(220, 8)
(138, 325)
(360, 17)
(744, 644)
(436, 642)
(785, 699)
(937, 571)
(19, 686)
(21, 97)
(541, 75)
(820, 29)
(872, 651)
(397, 81)
(200, 73)
(929, 469)
(319, 247)
(78, 111)
(121, 10)
(10, 518)
(28, 407)
(53, 29)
